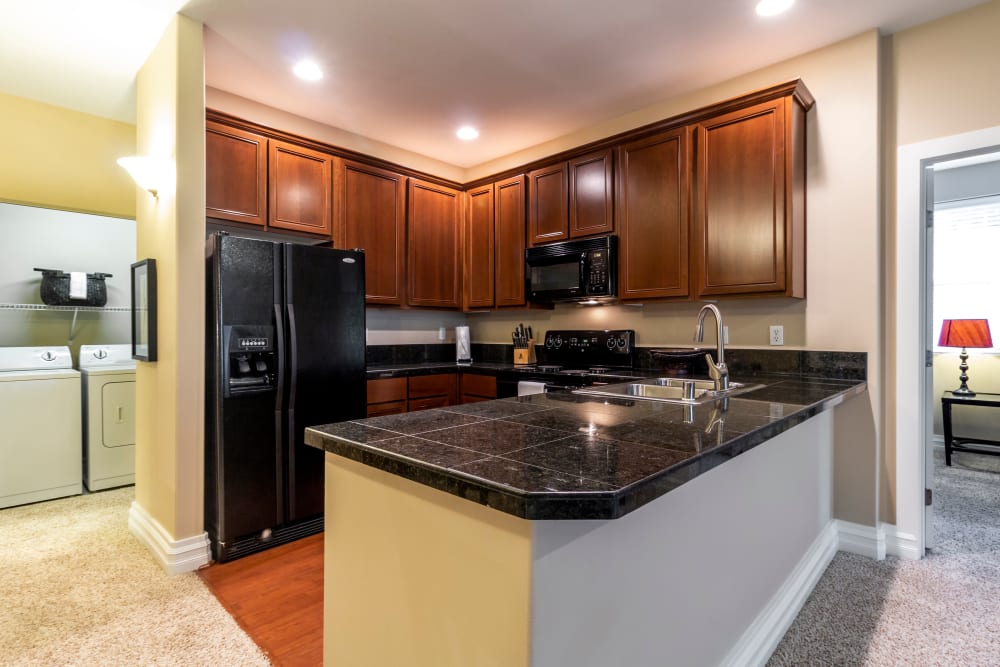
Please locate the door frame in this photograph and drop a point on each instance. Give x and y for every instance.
(912, 338)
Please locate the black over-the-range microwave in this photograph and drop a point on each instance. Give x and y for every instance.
(583, 271)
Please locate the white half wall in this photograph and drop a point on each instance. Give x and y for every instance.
(685, 579)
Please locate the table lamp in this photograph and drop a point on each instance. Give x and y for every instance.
(963, 334)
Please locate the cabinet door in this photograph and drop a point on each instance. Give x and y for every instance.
(235, 174)
(300, 189)
(509, 239)
(433, 242)
(591, 207)
(653, 216)
(548, 214)
(479, 270)
(371, 214)
(740, 233)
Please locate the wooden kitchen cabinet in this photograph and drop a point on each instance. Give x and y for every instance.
(370, 208)
(478, 244)
(476, 388)
(386, 396)
(653, 216)
(571, 199)
(548, 204)
(300, 189)
(432, 391)
(434, 237)
(749, 201)
(591, 204)
(494, 245)
(235, 174)
(509, 231)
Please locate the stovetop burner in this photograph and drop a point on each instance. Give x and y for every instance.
(599, 370)
(547, 368)
(575, 371)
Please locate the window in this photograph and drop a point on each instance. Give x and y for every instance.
(967, 263)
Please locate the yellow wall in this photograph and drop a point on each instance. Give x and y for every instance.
(399, 554)
(171, 229)
(59, 158)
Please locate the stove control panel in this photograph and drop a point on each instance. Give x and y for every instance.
(577, 346)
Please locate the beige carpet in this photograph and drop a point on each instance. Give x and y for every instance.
(941, 610)
(77, 589)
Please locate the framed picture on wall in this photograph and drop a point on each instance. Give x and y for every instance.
(144, 310)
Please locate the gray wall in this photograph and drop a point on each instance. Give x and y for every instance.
(53, 239)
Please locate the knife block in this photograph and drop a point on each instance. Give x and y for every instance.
(526, 355)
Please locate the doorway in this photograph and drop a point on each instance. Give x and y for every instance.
(914, 338)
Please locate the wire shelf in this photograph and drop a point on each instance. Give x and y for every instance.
(42, 306)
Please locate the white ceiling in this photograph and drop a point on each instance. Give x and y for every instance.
(409, 72)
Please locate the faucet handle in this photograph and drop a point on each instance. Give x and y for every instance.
(718, 372)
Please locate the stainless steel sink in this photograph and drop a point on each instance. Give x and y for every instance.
(670, 390)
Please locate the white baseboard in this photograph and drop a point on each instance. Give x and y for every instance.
(860, 539)
(902, 545)
(175, 556)
(762, 637)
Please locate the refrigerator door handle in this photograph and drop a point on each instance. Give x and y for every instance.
(279, 406)
(293, 381)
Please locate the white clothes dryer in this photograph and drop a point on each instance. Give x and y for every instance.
(108, 416)
(40, 419)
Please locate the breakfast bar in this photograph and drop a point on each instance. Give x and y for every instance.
(566, 528)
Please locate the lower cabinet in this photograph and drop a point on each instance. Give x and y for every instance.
(475, 388)
(386, 397)
(432, 391)
(391, 396)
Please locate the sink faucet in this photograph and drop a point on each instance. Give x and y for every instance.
(717, 371)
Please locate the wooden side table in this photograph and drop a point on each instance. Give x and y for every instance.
(962, 444)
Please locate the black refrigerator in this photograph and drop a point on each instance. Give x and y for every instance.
(285, 350)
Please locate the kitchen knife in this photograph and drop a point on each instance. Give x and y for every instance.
(513, 337)
(530, 335)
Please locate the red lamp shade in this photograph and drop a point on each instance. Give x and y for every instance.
(965, 333)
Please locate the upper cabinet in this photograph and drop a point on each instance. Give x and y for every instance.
(370, 206)
(494, 244)
(653, 215)
(571, 199)
(434, 237)
(236, 174)
(478, 245)
(509, 207)
(591, 205)
(749, 201)
(548, 204)
(300, 189)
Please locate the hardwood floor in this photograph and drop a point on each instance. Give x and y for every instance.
(277, 598)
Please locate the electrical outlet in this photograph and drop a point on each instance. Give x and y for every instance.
(725, 335)
(441, 333)
(777, 334)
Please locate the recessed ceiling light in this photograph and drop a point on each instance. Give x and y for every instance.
(773, 7)
(467, 133)
(308, 70)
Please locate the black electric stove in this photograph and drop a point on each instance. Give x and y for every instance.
(571, 359)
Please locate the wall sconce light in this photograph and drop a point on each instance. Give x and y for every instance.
(151, 174)
(963, 334)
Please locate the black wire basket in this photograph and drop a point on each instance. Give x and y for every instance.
(55, 289)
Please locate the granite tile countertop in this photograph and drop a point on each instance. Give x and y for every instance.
(569, 456)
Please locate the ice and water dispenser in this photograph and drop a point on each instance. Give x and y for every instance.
(249, 365)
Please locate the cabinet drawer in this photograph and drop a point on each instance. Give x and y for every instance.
(387, 389)
(479, 385)
(390, 408)
(442, 384)
(427, 403)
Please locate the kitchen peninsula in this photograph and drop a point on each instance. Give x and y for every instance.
(562, 528)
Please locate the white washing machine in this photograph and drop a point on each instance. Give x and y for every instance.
(40, 456)
(108, 415)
